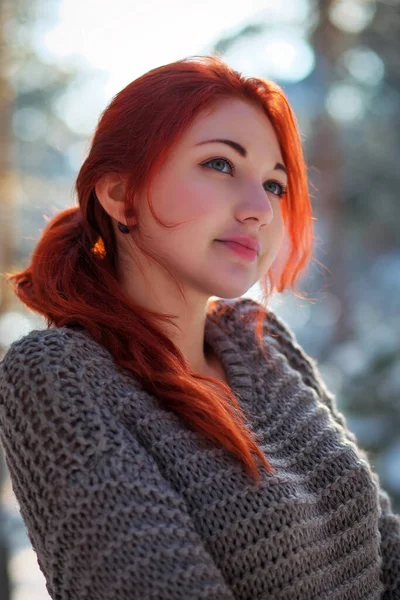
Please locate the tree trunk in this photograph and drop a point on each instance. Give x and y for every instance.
(6, 242)
(7, 186)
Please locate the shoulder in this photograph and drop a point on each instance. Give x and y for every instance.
(47, 351)
(50, 343)
(50, 383)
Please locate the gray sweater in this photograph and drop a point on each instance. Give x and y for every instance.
(123, 501)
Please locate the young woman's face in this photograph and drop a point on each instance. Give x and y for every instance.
(216, 201)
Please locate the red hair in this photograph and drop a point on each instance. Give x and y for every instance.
(72, 274)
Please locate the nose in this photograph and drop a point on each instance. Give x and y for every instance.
(256, 203)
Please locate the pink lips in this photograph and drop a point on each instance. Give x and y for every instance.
(242, 251)
(249, 242)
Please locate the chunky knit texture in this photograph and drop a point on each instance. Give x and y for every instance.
(122, 500)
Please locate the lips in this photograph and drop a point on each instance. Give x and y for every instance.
(239, 249)
(251, 243)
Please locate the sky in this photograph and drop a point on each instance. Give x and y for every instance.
(125, 41)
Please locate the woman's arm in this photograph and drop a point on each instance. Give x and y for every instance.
(389, 523)
(103, 521)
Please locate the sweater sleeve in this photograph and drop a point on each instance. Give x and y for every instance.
(103, 521)
(389, 523)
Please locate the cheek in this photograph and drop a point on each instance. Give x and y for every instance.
(185, 200)
(191, 203)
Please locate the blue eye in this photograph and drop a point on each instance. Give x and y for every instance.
(277, 188)
(219, 160)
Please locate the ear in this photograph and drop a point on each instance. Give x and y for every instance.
(110, 190)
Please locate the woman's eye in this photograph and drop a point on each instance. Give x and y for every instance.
(275, 188)
(270, 186)
(219, 162)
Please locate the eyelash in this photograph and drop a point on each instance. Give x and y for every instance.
(232, 166)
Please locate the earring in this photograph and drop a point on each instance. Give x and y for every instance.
(123, 228)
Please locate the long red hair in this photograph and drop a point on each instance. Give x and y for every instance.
(72, 274)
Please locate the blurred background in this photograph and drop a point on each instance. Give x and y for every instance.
(61, 62)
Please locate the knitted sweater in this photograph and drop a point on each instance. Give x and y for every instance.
(122, 500)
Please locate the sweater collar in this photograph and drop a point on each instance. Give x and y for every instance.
(222, 337)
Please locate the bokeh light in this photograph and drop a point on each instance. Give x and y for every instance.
(345, 102)
(352, 15)
(364, 65)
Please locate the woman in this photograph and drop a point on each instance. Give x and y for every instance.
(132, 424)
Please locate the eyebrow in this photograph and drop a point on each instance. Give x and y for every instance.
(239, 149)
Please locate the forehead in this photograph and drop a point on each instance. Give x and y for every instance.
(238, 120)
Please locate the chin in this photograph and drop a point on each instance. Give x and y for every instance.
(228, 292)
